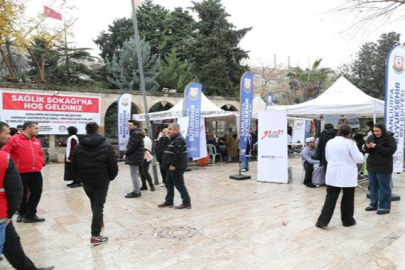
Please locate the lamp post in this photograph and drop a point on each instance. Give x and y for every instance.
(142, 79)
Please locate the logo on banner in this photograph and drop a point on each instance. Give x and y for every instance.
(398, 64)
(193, 94)
(248, 85)
(62, 129)
(125, 102)
(272, 134)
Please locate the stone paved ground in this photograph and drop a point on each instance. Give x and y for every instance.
(237, 225)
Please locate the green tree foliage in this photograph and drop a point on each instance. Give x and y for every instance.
(175, 74)
(110, 41)
(178, 33)
(123, 68)
(151, 22)
(63, 66)
(215, 53)
(311, 81)
(367, 71)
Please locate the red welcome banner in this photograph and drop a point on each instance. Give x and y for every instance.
(48, 103)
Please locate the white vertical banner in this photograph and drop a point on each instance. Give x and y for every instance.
(183, 123)
(299, 131)
(203, 141)
(124, 115)
(273, 153)
(395, 101)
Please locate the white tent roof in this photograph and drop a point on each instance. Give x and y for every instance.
(208, 110)
(342, 98)
(258, 106)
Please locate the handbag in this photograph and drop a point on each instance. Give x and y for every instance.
(148, 156)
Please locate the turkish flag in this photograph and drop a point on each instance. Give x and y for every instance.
(48, 12)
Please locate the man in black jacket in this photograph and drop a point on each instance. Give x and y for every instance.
(95, 162)
(175, 161)
(134, 157)
(12, 185)
(328, 134)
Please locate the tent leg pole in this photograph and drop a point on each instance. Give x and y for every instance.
(374, 118)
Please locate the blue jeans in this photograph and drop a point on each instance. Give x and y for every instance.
(380, 190)
(245, 164)
(2, 236)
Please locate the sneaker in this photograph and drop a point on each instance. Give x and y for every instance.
(183, 206)
(351, 224)
(243, 170)
(34, 219)
(98, 240)
(320, 225)
(71, 184)
(163, 185)
(166, 204)
(76, 185)
(383, 211)
(152, 188)
(310, 185)
(143, 188)
(20, 218)
(371, 208)
(133, 195)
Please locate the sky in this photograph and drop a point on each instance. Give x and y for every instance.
(303, 30)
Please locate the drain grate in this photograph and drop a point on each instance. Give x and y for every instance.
(176, 232)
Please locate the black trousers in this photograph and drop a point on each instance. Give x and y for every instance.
(97, 196)
(346, 205)
(145, 175)
(163, 172)
(309, 169)
(176, 179)
(14, 252)
(33, 182)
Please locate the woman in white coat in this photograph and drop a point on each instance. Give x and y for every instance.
(342, 155)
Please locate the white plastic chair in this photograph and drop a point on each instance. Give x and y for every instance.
(212, 152)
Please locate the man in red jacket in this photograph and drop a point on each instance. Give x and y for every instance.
(26, 152)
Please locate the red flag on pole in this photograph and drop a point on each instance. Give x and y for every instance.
(48, 12)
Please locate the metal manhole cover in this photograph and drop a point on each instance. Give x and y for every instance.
(176, 232)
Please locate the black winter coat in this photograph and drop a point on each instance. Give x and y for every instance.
(175, 154)
(135, 153)
(324, 138)
(94, 160)
(161, 147)
(13, 187)
(380, 159)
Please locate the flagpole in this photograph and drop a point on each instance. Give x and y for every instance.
(142, 78)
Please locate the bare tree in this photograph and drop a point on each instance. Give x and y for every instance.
(370, 15)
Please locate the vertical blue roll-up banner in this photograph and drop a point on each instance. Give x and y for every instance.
(394, 115)
(269, 100)
(246, 105)
(124, 115)
(192, 109)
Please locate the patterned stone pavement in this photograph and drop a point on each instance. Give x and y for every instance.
(233, 225)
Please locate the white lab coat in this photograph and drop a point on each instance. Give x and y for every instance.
(342, 155)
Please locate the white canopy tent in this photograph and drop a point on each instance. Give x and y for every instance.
(258, 106)
(342, 98)
(208, 110)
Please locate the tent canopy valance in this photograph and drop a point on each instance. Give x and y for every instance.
(342, 98)
(208, 110)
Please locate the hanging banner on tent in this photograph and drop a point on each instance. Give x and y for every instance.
(272, 163)
(331, 119)
(395, 101)
(269, 100)
(353, 121)
(192, 109)
(183, 123)
(54, 113)
(246, 104)
(124, 114)
(299, 131)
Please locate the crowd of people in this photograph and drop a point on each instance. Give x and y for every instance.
(92, 163)
(341, 156)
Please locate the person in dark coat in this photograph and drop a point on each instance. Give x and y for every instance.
(381, 147)
(70, 145)
(160, 149)
(326, 135)
(134, 156)
(95, 162)
(175, 161)
(13, 190)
